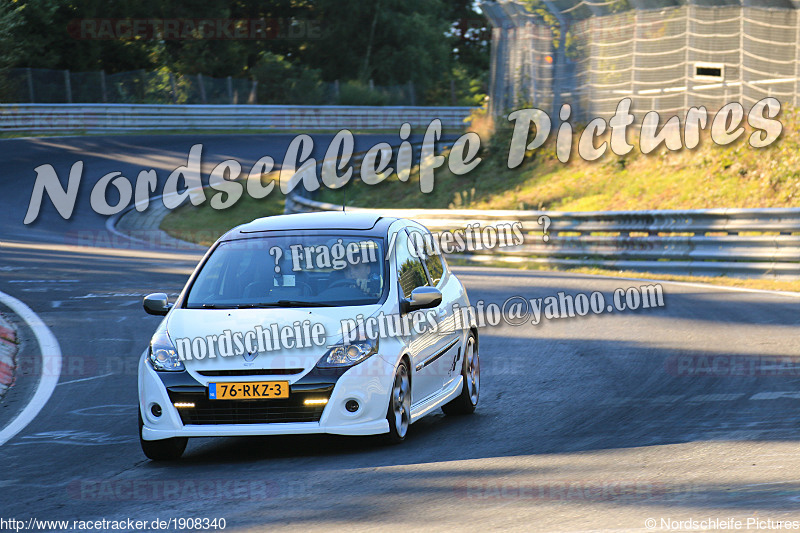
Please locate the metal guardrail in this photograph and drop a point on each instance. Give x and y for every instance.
(77, 118)
(707, 242)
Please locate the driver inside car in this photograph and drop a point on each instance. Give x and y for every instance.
(361, 274)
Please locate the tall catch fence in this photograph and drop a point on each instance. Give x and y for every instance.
(667, 56)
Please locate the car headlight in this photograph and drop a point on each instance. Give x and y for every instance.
(162, 354)
(349, 354)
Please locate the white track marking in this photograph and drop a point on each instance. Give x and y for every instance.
(86, 379)
(48, 347)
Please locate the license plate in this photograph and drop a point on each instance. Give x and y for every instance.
(248, 391)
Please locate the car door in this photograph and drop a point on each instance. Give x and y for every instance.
(423, 345)
(447, 346)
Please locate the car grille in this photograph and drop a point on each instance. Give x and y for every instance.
(278, 410)
(252, 372)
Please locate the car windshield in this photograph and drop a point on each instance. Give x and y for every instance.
(300, 270)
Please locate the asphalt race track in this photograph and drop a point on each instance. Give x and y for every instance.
(593, 423)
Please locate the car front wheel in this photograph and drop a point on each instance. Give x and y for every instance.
(399, 413)
(162, 450)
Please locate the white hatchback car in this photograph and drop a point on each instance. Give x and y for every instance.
(312, 323)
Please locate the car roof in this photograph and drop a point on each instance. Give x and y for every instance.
(370, 222)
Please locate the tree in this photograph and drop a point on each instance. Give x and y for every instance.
(389, 41)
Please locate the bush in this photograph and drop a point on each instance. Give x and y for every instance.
(358, 93)
(282, 82)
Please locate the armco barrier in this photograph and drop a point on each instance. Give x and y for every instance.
(708, 242)
(97, 118)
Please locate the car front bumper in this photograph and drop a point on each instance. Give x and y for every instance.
(369, 383)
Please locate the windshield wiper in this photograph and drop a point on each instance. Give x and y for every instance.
(282, 303)
(300, 303)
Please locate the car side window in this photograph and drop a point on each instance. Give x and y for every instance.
(423, 240)
(435, 268)
(410, 272)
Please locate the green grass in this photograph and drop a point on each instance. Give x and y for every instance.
(710, 176)
(736, 175)
(203, 225)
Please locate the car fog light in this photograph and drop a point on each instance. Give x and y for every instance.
(351, 406)
(156, 410)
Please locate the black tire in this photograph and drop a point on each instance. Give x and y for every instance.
(162, 450)
(399, 411)
(466, 402)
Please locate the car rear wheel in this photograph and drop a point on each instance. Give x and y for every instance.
(466, 402)
(399, 413)
(162, 450)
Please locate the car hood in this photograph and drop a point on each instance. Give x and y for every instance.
(196, 325)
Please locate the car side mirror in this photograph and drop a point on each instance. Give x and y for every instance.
(422, 298)
(156, 304)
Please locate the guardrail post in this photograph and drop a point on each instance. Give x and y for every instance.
(411, 93)
(230, 91)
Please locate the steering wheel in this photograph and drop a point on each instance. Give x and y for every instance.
(307, 290)
(344, 283)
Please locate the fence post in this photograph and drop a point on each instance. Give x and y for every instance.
(561, 58)
(796, 54)
(174, 88)
(202, 88)
(371, 84)
(336, 91)
(453, 92)
(688, 42)
(634, 94)
(230, 91)
(30, 85)
(497, 89)
(411, 93)
(68, 86)
(103, 86)
(253, 99)
(741, 55)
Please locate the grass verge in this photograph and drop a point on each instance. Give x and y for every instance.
(204, 225)
(709, 176)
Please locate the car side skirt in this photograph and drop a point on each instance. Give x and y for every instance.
(430, 403)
